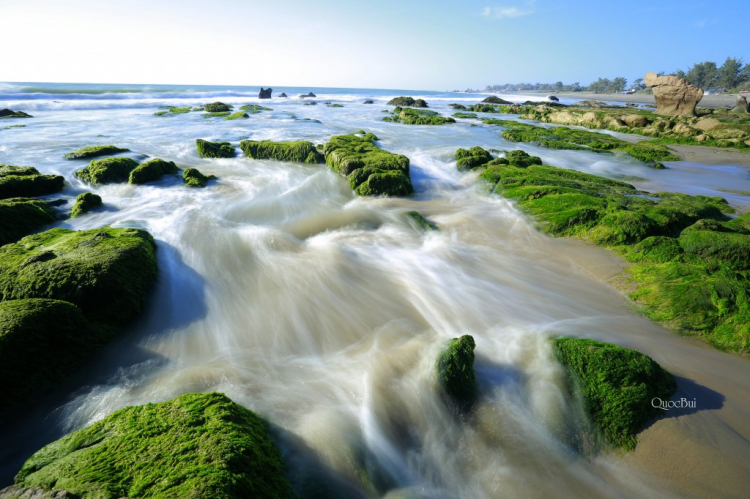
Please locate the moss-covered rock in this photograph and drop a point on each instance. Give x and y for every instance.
(421, 221)
(222, 114)
(217, 107)
(194, 178)
(454, 370)
(617, 386)
(208, 149)
(468, 159)
(239, 115)
(152, 170)
(300, 151)
(197, 445)
(172, 111)
(458, 107)
(107, 171)
(409, 116)
(41, 342)
(26, 181)
(95, 151)
(22, 216)
(494, 99)
(464, 115)
(105, 272)
(7, 113)
(254, 108)
(407, 101)
(371, 171)
(85, 202)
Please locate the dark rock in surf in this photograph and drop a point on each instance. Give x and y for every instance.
(455, 371)
(265, 93)
(368, 101)
(282, 94)
(308, 94)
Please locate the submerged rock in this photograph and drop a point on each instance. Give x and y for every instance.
(407, 102)
(237, 116)
(282, 94)
(26, 181)
(371, 171)
(95, 151)
(454, 370)
(368, 101)
(617, 386)
(468, 159)
(409, 116)
(674, 96)
(254, 108)
(152, 170)
(107, 171)
(22, 216)
(194, 178)
(421, 221)
(300, 151)
(307, 95)
(7, 113)
(208, 149)
(85, 202)
(265, 93)
(197, 445)
(217, 107)
(553, 98)
(494, 99)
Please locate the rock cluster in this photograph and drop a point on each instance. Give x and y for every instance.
(674, 96)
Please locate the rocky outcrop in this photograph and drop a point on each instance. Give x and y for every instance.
(194, 178)
(455, 371)
(217, 107)
(265, 93)
(7, 113)
(308, 94)
(741, 105)
(208, 149)
(674, 96)
(282, 94)
(494, 99)
(553, 98)
(85, 202)
(368, 101)
(26, 181)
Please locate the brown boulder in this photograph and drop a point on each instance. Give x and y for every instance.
(741, 105)
(707, 124)
(635, 120)
(674, 96)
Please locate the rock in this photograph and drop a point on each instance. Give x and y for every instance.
(472, 158)
(305, 96)
(741, 105)
(217, 107)
(26, 181)
(409, 116)
(553, 98)
(208, 149)
(255, 108)
(701, 138)
(421, 221)
(674, 96)
(196, 445)
(22, 216)
(617, 384)
(458, 107)
(152, 170)
(595, 104)
(239, 115)
(401, 101)
(300, 151)
(282, 94)
(107, 170)
(7, 113)
(707, 124)
(95, 151)
(265, 93)
(85, 202)
(194, 178)
(368, 101)
(454, 370)
(635, 120)
(494, 99)
(371, 171)
(15, 492)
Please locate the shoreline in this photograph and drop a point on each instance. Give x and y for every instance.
(711, 101)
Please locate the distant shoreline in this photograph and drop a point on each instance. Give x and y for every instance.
(712, 101)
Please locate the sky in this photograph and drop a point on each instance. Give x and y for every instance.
(406, 44)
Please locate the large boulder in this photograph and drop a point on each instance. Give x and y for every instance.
(107, 170)
(22, 216)
(194, 178)
(26, 181)
(8, 113)
(300, 151)
(95, 151)
(85, 202)
(152, 170)
(494, 99)
(674, 96)
(208, 149)
(741, 105)
(265, 93)
(197, 445)
(455, 371)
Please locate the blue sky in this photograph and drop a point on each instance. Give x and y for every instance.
(437, 45)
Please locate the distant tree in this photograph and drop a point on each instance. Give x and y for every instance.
(619, 84)
(638, 84)
(702, 75)
(730, 74)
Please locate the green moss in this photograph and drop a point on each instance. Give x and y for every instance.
(197, 445)
(335, 105)
(85, 202)
(105, 272)
(407, 101)
(7, 113)
(237, 116)
(458, 107)
(171, 111)
(208, 149)
(26, 181)
(454, 370)
(221, 114)
(107, 170)
(494, 99)
(95, 151)
(410, 116)
(371, 171)
(421, 221)
(468, 159)
(194, 178)
(254, 108)
(217, 107)
(300, 151)
(464, 115)
(152, 170)
(41, 342)
(22, 216)
(617, 385)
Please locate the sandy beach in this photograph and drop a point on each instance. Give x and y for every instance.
(712, 101)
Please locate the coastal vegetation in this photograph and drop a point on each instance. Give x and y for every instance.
(409, 116)
(26, 181)
(192, 177)
(95, 151)
(208, 149)
(196, 445)
(254, 108)
(299, 151)
(22, 216)
(171, 111)
(85, 202)
(152, 170)
(217, 107)
(107, 170)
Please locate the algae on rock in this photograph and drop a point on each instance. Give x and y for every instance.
(85, 202)
(194, 178)
(196, 445)
(455, 371)
(208, 149)
(22, 216)
(152, 170)
(26, 181)
(95, 151)
(300, 151)
(107, 170)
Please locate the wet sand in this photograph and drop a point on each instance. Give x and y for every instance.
(712, 101)
(711, 155)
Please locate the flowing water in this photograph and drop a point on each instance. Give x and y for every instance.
(324, 312)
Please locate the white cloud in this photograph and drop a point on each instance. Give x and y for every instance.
(502, 12)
